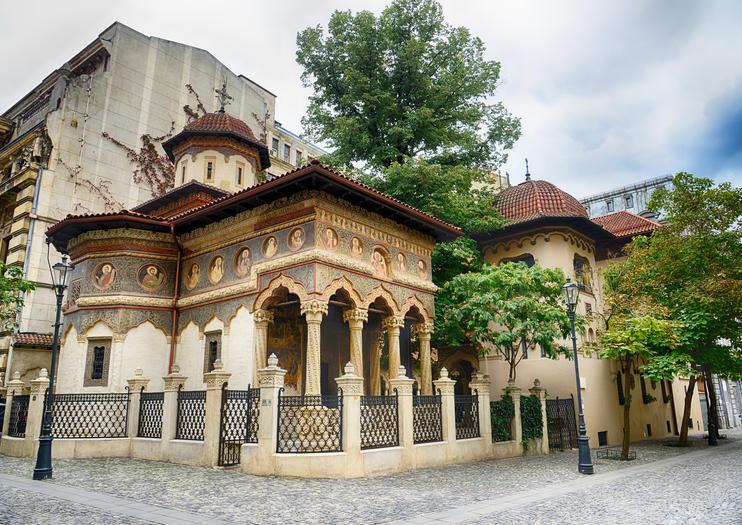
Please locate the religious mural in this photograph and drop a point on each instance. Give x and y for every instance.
(243, 262)
(192, 276)
(151, 277)
(330, 239)
(296, 239)
(216, 269)
(270, 247)
(104, 276)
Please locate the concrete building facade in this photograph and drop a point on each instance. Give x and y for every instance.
(633, 198)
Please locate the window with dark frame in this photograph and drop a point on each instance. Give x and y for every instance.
(669, 429)
(99, 358)
(97, 362)
(629, 201)
(239, 175)
(209, 170)
(213, 350)
(274, 145)
(609, 205)
(643, 384)
(526, 258)
(603, 438)
(649, 430)
(182, 173)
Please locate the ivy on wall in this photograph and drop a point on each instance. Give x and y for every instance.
(530, 417)
(501, 414)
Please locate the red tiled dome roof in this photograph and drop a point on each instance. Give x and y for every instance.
(534, 199)
(221, 122)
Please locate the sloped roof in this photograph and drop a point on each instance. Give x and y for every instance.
(535, 199)
(33, 339)
(626, 224)
(180, 192)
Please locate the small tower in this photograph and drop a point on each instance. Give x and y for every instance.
(217, 149)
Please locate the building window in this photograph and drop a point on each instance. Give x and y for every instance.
(239, 175)
(588, 311)
(299, 157)
(583, 273)
(603, 438)
(525, 258)
(609, 205)
(690, 423)
(287, 152)
(97, 362)
(213, 350)
(182, 172)
(629, 201)
(669, 429)
(209, 170)
(274, 146)
(666, 391)
(645, 397)
(649, 430)
(619, 386)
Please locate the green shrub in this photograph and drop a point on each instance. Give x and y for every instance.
(530, 417)
(502, 413)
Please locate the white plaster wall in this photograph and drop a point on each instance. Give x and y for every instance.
(238, 349)
(145, 347)
(71, 368)
(225, 171)
(189, 355)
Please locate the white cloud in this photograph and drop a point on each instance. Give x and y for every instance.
(609, 93)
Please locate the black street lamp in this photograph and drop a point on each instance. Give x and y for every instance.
(584, 463)
(43, 470)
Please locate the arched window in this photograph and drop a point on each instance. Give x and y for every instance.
(526, 258)
(583, 273)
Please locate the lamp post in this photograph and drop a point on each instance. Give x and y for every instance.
(584, 463)
(43, 470)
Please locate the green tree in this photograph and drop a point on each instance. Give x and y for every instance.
(692, 269)
(505, 309)
(402, 85)
(634, 341)
(12, 288)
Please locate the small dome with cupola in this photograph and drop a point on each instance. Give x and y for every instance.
(217, 149)
(536, 199)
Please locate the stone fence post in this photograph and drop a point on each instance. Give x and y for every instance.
(352, 387)
(270, 381)
(14, 388)
(403, 385)
(215, 381)
(516, 427)
(136, 385)
(173, 382)
(540, 393)
(445, 385)
(481, 384)
(39, 386)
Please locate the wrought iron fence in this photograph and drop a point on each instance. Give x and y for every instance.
(150, 414)
(81, 416)
(427, 423)
(189, 423)
(18, 416)
(467, 416)
(310, 423)
(379, 421)
(239, 423)
(562, 423)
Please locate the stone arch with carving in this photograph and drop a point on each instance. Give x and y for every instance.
(342, 283)
(83, 333)
(382, 292)
(461, 356)
(156, 326)
(186, 325)
(414, 301)
(281, 281)
(65, 333)
(228, 322)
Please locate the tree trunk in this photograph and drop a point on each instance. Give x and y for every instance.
(626, 412)
(688, 401)
(712, 414)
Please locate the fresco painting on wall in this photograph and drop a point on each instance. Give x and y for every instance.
(151, 277)
(104, 276)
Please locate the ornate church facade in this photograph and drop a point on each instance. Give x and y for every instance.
(311, 266)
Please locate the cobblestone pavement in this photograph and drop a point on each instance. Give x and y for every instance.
(235, 497)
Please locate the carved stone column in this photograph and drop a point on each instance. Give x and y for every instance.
(426, 375)
(262, 319)
(313, 311)
(393, 324)
(355, 318)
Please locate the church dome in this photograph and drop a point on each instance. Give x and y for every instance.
(535, 199)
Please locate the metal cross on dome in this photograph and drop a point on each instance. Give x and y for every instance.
(223, 97)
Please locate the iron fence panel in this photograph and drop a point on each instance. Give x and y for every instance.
(379, 421)
(190, 421)
(467, 416)
(310, 423)
(239, 423)
(18, 416)
(151, 405)
(427, 423)
(82, 416)
(562, 423)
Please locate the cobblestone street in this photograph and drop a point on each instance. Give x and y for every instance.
(665, 485)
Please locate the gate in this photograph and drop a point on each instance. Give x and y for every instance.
(562, 423)
(239, 423)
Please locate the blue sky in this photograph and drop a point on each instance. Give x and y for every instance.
(609, 93)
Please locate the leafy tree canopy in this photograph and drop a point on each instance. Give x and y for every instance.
(505, 309)
(401, 85)
(12, 287)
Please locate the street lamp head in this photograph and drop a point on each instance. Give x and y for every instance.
(61, 272)
(571, 293)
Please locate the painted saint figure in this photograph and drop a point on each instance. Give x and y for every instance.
(331, 239)
(243, 263)
(296, 238)
(192, 277)
(378, 262)
(270, 247)
(104, 276)
(422, 268)
(151, 277)
(216, 269)
(356, 248)
(401, 262)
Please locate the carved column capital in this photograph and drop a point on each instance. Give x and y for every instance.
(263, 316)
(394, 322)
(354, 315)
(423, 330)
(174, 380)
(217, 377)
(137, 382)
(313, 310)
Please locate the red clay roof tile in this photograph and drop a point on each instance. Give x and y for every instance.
(534, 199)
(626, 224)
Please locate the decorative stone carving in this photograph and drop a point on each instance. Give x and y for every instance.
(138, 382)
(445, 384)
(217, 377)
(272, 375)
(41, 383)
(313, 307)
(350, 383)
(313, 312)
(401, 383)
(353, 315)
(174, 380)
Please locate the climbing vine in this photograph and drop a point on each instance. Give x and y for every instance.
(200, 109)
(151, 167)
(530, 417)
(501, 414)
(263, 123)
(101, 188)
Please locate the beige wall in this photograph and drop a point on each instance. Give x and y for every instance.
(224, 172)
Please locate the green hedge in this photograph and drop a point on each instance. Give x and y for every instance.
(502, 413)
(530, 417)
